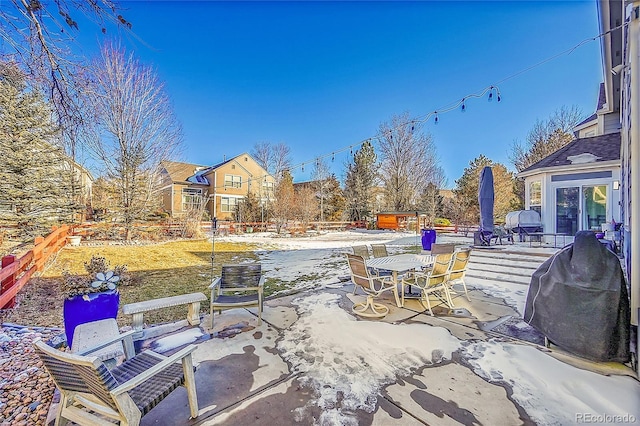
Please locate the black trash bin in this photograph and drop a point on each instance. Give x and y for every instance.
(428, 238)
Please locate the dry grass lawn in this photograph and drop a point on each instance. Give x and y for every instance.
(158, 270)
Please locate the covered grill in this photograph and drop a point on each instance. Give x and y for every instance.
(523, 222)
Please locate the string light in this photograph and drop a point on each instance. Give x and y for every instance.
(487, 91)
(463, 107)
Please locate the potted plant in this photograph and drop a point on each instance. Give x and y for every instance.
(93, 296)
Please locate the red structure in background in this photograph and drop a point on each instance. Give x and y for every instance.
(16, 272)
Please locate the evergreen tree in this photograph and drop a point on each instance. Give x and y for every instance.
(466, 191)
(34, 189)
(360, 180)
(334, 202)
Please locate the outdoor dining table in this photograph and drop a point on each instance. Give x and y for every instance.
(400, 263)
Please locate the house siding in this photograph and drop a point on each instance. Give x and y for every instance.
(611, 123)
(253, 176)
(551, 181)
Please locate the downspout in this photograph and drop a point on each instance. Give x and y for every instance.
(634, 133)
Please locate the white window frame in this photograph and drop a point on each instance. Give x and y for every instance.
(228, 206)
(232, 181)
(191, 198)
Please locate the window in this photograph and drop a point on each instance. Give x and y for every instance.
(535, 196)
(268, 188)
(232, 181)
(191, 198)
(229, 204)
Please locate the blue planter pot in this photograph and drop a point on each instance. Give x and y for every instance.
(78, 310)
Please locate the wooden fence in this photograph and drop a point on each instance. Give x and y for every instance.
(16, 272)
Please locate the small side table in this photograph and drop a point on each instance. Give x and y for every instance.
(91, 334)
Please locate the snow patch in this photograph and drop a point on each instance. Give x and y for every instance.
(346, 361)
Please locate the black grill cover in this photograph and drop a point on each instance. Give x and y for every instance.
(578, 299)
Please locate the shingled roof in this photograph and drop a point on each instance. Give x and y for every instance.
(601, 101)
(181, 172)
(605, 147)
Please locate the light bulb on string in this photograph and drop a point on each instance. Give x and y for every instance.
(463, 108)
(435, 120)
(302, 167)
(333, 157)
(490, 94)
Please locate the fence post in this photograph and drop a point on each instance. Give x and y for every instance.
(9, 281)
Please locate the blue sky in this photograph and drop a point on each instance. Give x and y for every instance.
(321, 76)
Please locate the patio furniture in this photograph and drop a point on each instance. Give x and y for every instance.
(239, 286)
(379, 250)
(373, 286)
(90, 334)
(138, 309)
(399, 264)
(89, 391)
(499, 233)
(433, 281)
(439, 248)
(458, 270)
(361, 251)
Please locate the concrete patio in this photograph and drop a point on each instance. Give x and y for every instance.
(250, 374)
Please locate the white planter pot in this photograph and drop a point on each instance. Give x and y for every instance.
(74, 240)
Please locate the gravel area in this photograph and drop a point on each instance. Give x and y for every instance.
(26, 389)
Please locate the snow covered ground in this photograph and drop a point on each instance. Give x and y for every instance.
(330, 347)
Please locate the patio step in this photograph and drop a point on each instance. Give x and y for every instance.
(515, 267)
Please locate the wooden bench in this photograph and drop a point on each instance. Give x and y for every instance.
(139, 308)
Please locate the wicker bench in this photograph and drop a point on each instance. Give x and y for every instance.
(139, 308)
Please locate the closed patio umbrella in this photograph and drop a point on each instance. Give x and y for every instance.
(485, 199)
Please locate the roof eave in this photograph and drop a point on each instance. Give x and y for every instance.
(568, 167)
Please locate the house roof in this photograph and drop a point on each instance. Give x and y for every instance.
(183, 172)
(602, 99)
(604, 147)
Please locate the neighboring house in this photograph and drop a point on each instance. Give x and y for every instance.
(620, 49)
(223, 186)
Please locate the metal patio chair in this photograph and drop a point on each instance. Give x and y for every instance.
(433, 281)
(379, 250)
(373, 286)
(239, 286)
(459, 269)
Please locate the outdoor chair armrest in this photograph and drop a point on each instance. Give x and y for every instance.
(147, 374)
(215, 283)
(125, 338)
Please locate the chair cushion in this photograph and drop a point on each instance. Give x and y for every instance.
(226, 299)
(149, 393)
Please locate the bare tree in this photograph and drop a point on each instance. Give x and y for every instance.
(408, 161)
(283, 208)
(274, 158)
(545, 137)
(320, 174)
(37, 34)
(306, 205)
(135, 129)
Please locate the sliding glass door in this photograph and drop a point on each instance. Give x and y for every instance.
(580, 208)
(567, 210)
(594, 206)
